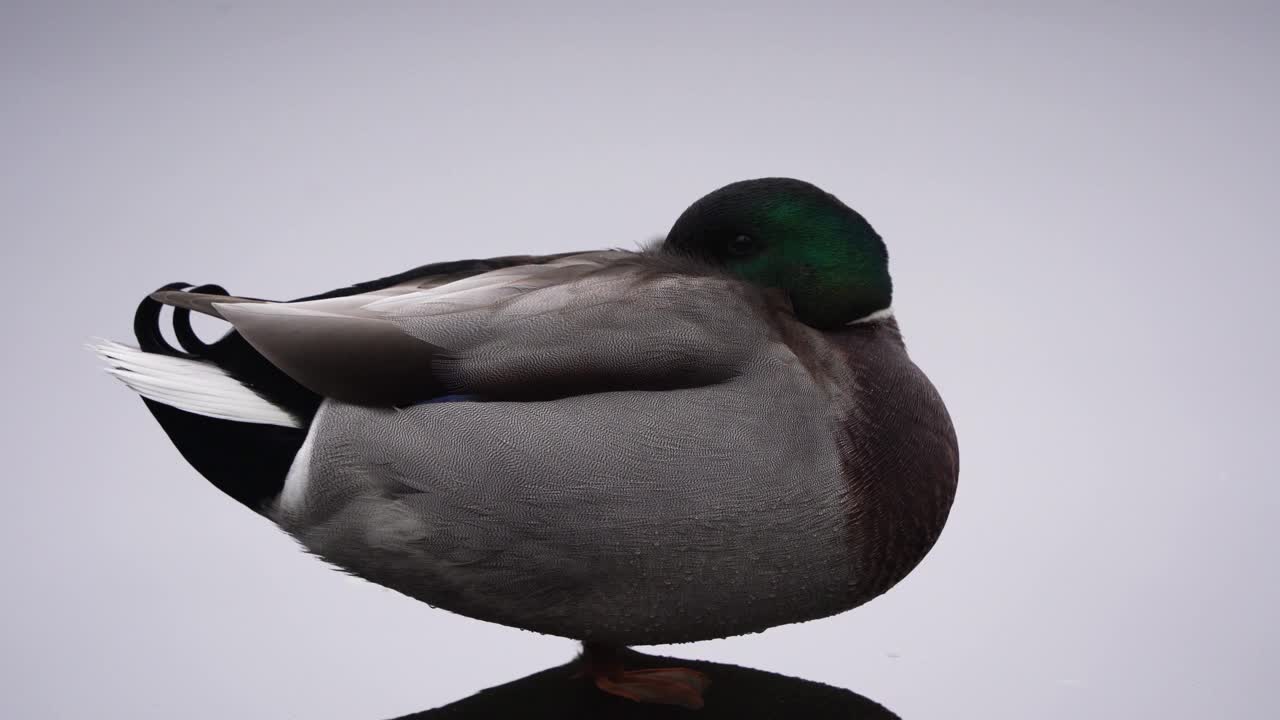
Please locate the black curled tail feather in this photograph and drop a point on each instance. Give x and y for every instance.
(248, 461)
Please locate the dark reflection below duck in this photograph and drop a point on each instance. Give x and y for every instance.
(562, 693)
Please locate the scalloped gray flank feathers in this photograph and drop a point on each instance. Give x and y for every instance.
(646, 447)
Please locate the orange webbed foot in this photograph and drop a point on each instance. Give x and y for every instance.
(665, 686)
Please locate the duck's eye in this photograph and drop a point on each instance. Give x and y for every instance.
(741, 245)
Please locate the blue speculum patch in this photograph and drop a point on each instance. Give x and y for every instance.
(454, 398)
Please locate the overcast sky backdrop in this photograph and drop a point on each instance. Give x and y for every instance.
(1080, 209)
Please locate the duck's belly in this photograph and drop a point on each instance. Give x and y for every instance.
(629, 518)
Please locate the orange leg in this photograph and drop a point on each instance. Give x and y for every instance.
(665, 686)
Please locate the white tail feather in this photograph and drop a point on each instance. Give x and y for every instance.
(195, 386)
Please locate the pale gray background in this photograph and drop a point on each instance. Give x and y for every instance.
(1079, 202)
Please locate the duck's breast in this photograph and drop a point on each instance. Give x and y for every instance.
(899, 456)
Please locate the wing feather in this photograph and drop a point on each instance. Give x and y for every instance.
(583, 323)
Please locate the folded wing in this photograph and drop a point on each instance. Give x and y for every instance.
(589, 322)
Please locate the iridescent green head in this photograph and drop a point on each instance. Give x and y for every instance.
(788, 234)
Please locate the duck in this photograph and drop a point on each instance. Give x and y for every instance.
(717, 433)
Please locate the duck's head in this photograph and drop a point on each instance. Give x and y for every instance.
(791, 235)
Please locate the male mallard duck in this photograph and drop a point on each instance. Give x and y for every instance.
(712, 436)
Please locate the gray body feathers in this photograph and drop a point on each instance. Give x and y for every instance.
(657, 453)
